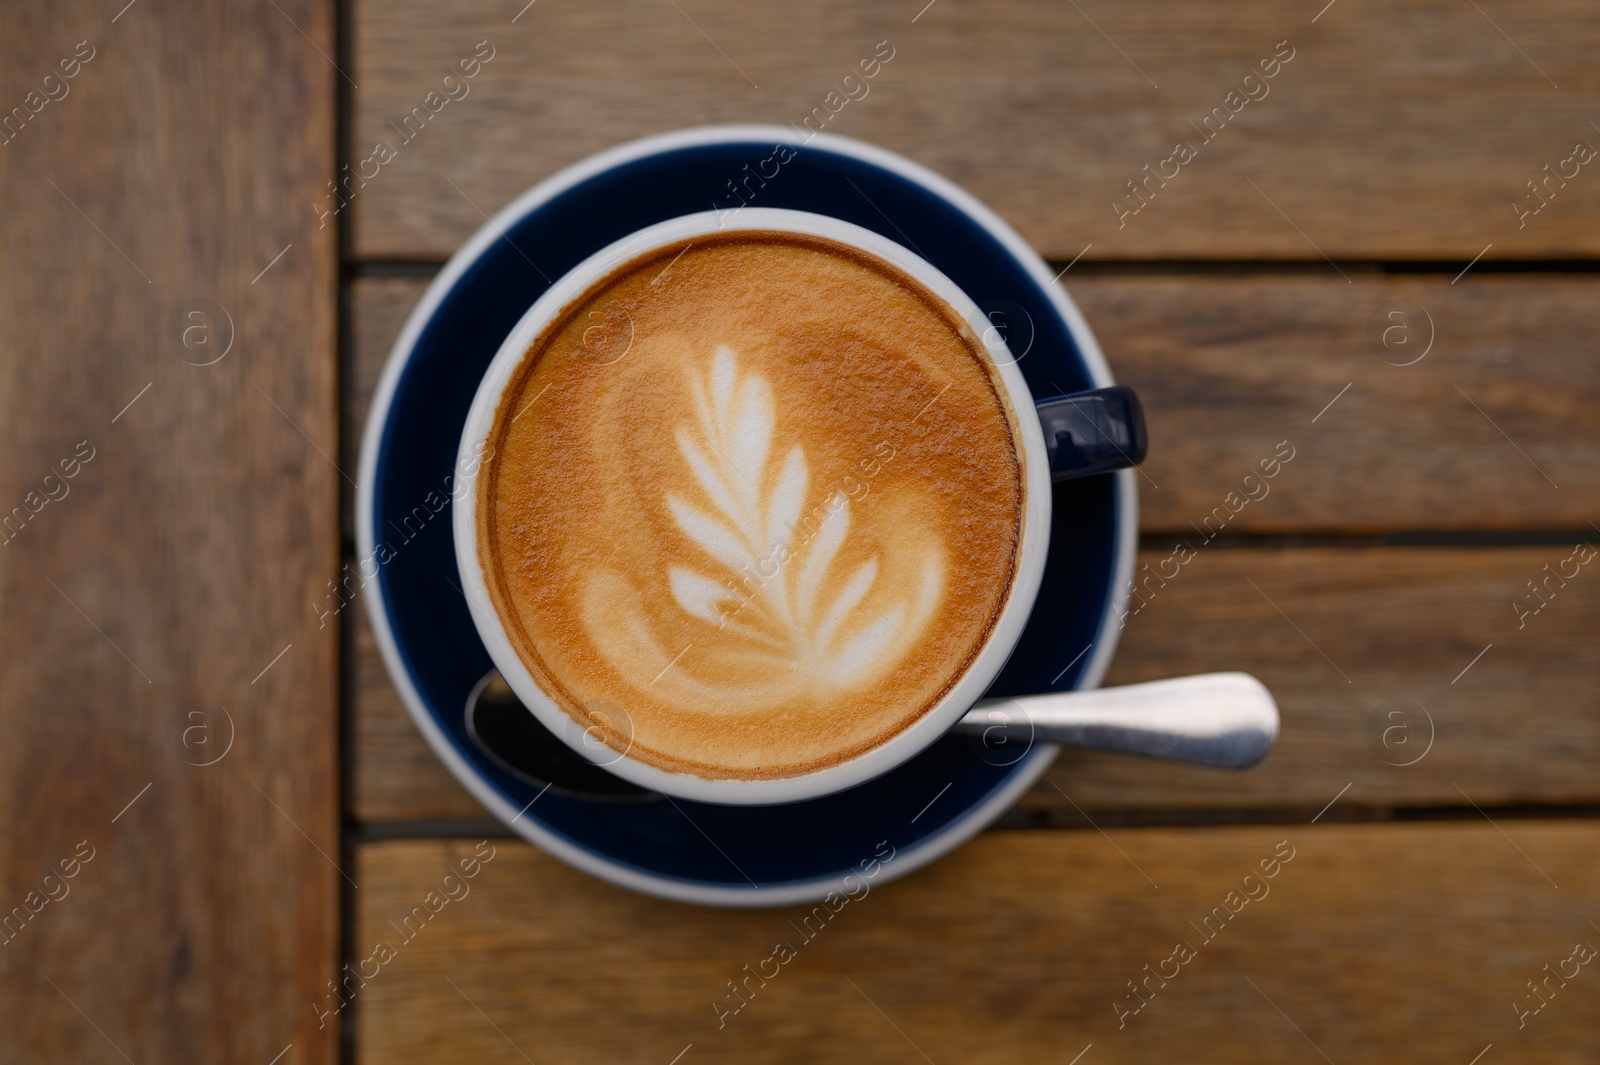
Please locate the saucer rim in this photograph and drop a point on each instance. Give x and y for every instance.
(679, 889)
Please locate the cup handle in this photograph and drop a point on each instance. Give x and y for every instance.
(1093, 432)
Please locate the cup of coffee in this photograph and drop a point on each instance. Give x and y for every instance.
(753, 510)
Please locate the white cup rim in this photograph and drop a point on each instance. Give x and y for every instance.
(908, 742)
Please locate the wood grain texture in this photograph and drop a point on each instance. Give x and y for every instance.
(1521, 726)
(1492, 427)
(1342, 637)
(1391, 133)
(157, 611)
(1229, 366)
(1371, 943)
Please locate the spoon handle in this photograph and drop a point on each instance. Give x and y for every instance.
(1224, 720)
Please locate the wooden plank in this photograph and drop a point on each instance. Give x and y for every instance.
(1360, 633)
(157, 610)
(1345, 636)
(1476, 434)
(1390, 133)
(1230, 366)
(1369, 943)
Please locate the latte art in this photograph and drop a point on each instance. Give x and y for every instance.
(753, 506)
(786, 615)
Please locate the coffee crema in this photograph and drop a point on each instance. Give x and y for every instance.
(754, 505)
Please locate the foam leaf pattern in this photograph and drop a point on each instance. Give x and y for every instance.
(761, 595)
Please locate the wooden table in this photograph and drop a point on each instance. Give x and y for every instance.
(257, 809)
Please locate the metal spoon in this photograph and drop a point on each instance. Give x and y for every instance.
(1223, 720)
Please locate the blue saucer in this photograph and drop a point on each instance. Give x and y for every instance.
(723, 855)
